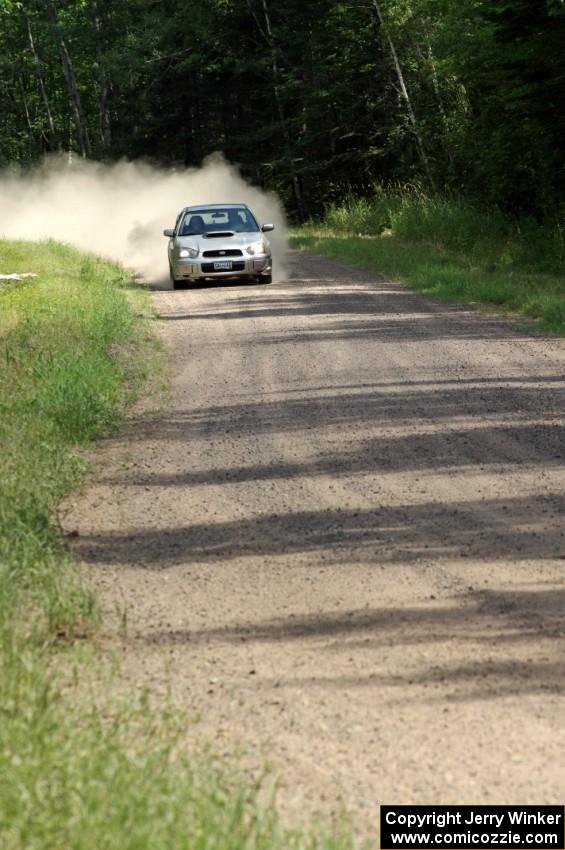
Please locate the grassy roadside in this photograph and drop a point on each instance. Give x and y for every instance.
(62, 383)
(85, 774)
(450, 251)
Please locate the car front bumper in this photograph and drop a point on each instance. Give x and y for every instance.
(202, 267)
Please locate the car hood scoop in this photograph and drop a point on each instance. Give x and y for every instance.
(218, 234)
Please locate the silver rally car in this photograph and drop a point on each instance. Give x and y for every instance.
(218, 240)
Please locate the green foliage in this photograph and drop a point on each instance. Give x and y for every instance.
(306, 97)
(487, 237)
(449, 250)
(61, 385)
(117, 776)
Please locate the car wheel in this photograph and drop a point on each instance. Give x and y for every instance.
(266, 278)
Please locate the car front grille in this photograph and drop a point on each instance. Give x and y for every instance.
(208, 268)
(232, 252)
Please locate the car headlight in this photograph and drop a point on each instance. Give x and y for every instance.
(257, 248)
(188, 252)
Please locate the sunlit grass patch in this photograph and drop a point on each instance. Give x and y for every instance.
(449, 251)
(60, 386)
(118, 776)
(483, 235)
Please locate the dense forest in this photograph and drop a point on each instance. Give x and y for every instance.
(313, 98)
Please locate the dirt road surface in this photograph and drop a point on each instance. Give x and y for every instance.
(341, 544)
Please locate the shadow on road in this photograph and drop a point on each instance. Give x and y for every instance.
(389, 312)
(499, 403)
(471, 424)
(492, 529)
(503, 624)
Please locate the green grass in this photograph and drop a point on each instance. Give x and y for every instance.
(94, 780)
(62, 383)
(449, 250)
(77, 770)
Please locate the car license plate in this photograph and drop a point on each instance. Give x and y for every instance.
(225, 265)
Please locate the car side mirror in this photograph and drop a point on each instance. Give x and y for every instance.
(267, 227)
(168, 232)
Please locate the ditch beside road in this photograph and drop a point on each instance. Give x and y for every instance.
(340, 545)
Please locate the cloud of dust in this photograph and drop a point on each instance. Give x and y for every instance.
(119, 211)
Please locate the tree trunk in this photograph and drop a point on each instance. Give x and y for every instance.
(435, 83)
(38, 66)
(268, 36)
(70, 77)
(25, 106)
(405, 96)
(104, 93)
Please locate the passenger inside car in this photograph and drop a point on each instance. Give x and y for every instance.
(195, 226)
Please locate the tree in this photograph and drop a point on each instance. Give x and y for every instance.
(311, 99)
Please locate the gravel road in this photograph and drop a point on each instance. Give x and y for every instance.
(341, 544)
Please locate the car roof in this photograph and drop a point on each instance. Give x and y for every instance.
(217, 206)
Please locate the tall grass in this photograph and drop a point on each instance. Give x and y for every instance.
(484, 235)
(77, 770)
(450, 249)
(89, 779)
(60, 386)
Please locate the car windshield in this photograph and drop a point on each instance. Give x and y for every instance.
(238, 219)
